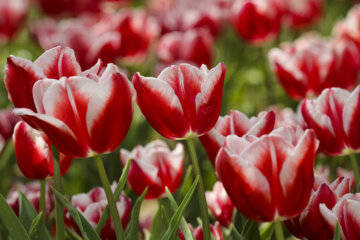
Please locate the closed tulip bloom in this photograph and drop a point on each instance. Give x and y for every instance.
(83, 116)
(238, 124)
(269, 178)
(33, 153)
(334, 117)
(32, 192)
(92, 204)
(198, 234)
(154, 166)
(12, 15)
(220, 204)
(183, 101)
(311, 64)
(346, 213)
(8, 121)
(193, 46)
(302, 226)
(256, 21)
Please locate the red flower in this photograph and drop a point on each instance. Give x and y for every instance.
(57, 7)
(215, 230)
(154, 166)
(299, 14)
(12, 14)
(238, 124)
(8, 121)
(334, 117)
(311, 64)
(256, 21)
(220, 204)
(83, 115)
(193, 46)
(32, 192)
(183, 100)
(302, 226)
(33, 153)
(270, 177)
(92, 205)
(346, 213)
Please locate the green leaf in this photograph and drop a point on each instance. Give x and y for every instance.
(85, 228)
(159, 223)
(176, 218)
(37, 228)
(235, 232)
(183, 224)
(337, 234)
(11, 222)
(27, 212)
(187, 181)
(266, 231)
(119, 188)
(132, 231)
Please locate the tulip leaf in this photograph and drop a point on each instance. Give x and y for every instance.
(11, 222)
(183, 224)
(119, 188)
(85, 227)
(132, 231)
(159, 223)
(236, 233)
(266, 231)
(37, 228)
(176, 218)
(27, 212)
(337, 234)
(187, 181)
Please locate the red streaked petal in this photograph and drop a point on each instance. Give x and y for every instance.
(208, 101)
(24, 73)
(59, 133)
(168, 119)
(351, 118)
(58, 62)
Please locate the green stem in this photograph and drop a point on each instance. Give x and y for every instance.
(42, 196)
(110, 197)
(6, 154)
(355, 168)
(60, 229)
(278, 231)
(200, 190)
(268, 77)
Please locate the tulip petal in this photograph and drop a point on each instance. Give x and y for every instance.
(351, 117)
(58, 62)
(24, 73)
(168, 119)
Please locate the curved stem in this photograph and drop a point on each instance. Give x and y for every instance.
(279, 231)
(60, 229)
(110, 197)
(355, 167)
(200, 190)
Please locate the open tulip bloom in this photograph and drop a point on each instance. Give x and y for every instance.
(269, 178)
(81, 115)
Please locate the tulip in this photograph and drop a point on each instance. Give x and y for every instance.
(183, 101)
(302, 226)
(311, 64)
(55, 63)
(220, 204)
(13, 13)
(215, 229)
(8, 121)
(299, 14)
(33, 153)
(32, 193)
(238, 124)
(346, 213)
(193, 46)
(334, 116)
(92, 204)
(269, 178)
(286, 117)
(256, 21)
(58, 7)
(154, 166)
(83, 116)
